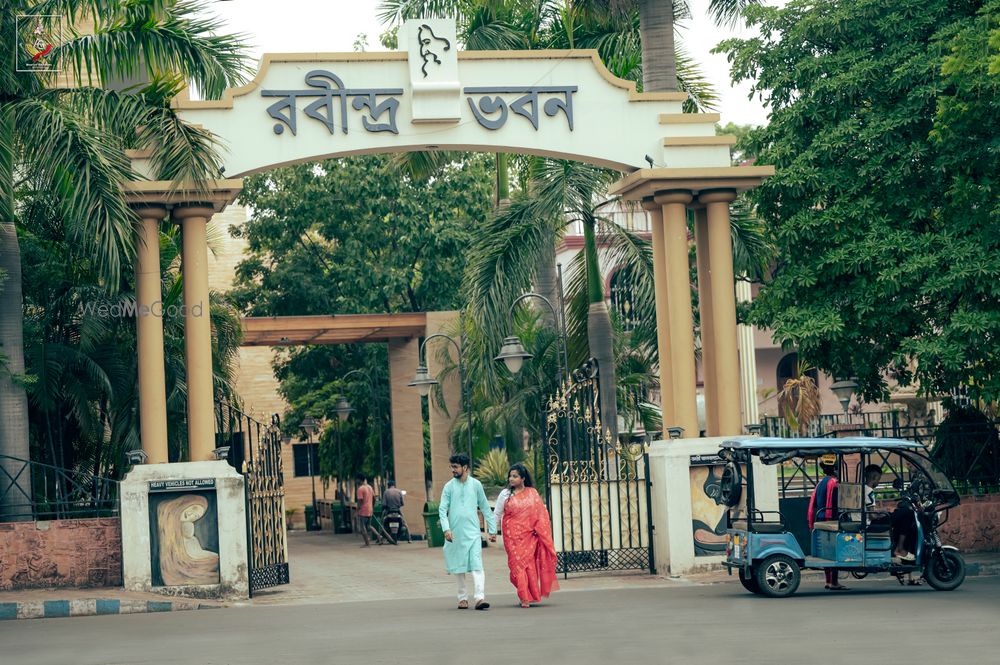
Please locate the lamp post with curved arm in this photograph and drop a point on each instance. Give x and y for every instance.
(423, 380)
(371, 386)
(513, 354)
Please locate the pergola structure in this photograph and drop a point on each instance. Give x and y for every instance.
(565, 104)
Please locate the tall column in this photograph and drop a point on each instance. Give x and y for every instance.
(675, 237)
(748, 360)
(662, 317)
(441, 423)
(197, 331)
(407, 430)
(720, 248)
(149, 336)
(707, 321)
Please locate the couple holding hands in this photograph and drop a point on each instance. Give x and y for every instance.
(524, 521)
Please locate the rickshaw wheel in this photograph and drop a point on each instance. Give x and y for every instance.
(749, 582)
(945, 571)
(778, 576)
(859, 574)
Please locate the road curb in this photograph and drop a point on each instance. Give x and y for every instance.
(51, 609)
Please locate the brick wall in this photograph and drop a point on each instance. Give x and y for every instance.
(61, 553)
(974, 526)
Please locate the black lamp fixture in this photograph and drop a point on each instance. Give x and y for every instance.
(342, 408)
(513, 354)
(423, 380)
(844, 389)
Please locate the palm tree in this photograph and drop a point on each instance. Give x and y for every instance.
(83, 131)
(657, 18)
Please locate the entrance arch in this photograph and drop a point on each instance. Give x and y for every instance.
(565, 104)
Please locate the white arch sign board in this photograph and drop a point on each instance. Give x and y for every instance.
(307, 106)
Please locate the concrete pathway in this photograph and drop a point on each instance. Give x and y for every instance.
(328, 568)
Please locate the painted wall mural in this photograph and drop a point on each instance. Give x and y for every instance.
(708, 513)
(184, 536)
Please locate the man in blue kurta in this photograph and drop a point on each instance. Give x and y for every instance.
(461, 497)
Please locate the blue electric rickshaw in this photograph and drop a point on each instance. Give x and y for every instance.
(858, 538)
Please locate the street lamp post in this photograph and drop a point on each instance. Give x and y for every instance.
(343, 409)
(378, 420)
(423, 380)
(513, 354)
(309, 425)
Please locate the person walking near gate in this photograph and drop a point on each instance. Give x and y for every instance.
(461, 498)
(527, 538)
(366, 507)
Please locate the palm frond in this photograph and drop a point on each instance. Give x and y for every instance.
(145, 37)
(83, 169)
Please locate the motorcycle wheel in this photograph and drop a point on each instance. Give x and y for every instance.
(858, 575)
(945, 571)
(749, 582)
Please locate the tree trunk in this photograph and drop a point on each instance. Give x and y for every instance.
(600, 335)
(13, 398)
(546, 280)
(659, 61)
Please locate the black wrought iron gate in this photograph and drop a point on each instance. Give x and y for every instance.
(266, 547)
(598, 489)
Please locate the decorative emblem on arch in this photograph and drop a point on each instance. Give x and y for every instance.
(429, 43)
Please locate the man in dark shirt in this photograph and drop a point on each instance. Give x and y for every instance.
(392, 499)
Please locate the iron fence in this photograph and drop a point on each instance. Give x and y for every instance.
(33, 491)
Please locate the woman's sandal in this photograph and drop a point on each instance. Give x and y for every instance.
(914, 583)
(525, 605)
(839, 587)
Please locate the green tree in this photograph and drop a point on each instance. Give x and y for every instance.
(355, 236)
(883, 129)
(68, 143)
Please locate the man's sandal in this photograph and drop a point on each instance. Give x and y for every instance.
(482, 605)
(463, 604)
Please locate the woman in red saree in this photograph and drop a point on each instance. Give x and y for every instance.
(527, 537)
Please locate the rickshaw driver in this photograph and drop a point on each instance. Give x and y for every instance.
(823, 506)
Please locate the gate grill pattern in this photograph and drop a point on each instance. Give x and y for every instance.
(266, 514)
(598, 491)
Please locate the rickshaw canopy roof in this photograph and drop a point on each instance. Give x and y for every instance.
(810, 447)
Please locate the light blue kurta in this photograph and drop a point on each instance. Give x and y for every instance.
(459, 503)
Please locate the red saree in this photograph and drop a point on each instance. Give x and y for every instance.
(527, 537)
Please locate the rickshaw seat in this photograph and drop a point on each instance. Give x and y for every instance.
(830, 525)
(760, 527)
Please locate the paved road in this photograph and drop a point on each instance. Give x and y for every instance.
(877, 621)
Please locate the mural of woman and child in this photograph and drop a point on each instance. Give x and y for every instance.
(184, 539)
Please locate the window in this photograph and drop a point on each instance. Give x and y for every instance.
(623, 299)
(787, 367)
(301, 454)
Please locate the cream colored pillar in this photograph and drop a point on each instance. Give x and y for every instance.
(441, 423)
(707, 321)
(407, 430)
(149, 335)
(662, 317)
(723, 309)
(675, 237)
(197, 331)
(748, 360)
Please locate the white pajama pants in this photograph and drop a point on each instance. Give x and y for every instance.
(479, 586)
